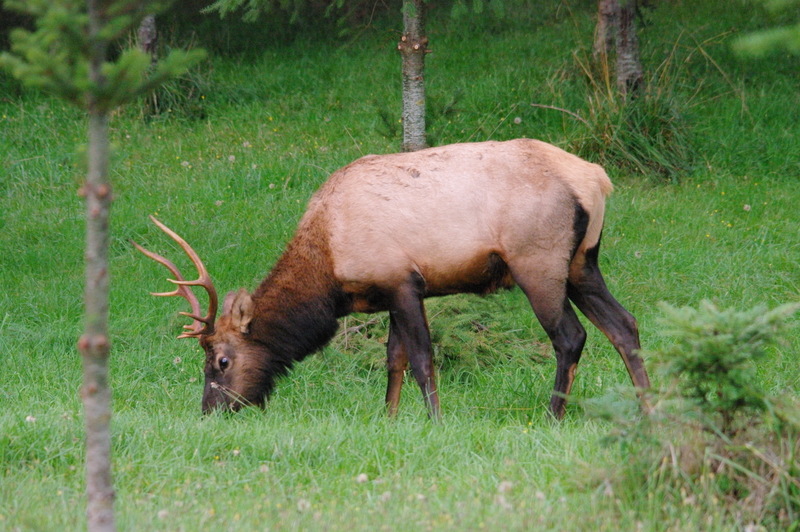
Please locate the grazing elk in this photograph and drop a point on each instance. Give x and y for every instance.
(387, 231)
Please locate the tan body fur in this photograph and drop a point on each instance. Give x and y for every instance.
(442, 212)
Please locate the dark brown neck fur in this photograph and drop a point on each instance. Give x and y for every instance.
(297, 305)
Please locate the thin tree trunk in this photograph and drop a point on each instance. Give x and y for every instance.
(629, 66)
(148, 37)
(605, 32)
(147, 34)
(94, 344)
(413, 46)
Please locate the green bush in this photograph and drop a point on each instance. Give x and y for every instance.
(713, 361)
(715, 440)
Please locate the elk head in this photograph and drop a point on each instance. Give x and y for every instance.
(232, 376)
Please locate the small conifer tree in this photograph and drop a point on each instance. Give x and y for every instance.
(67, 55)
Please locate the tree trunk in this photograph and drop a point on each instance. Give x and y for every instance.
(148, 43)
(148, 37)
(629, 65)
(94, 344)
(413, 46)
(607, 12)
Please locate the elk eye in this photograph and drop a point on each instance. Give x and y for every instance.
(223, 363)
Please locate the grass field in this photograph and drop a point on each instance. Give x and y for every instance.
(232, 172)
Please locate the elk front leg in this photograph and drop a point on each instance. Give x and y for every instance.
(409, 324)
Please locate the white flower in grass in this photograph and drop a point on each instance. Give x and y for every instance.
(503, 503)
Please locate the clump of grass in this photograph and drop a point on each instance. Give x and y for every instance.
(645, 132)
(181, 97)
(10, 87)
(716, 440)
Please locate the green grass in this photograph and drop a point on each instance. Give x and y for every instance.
(234, 183)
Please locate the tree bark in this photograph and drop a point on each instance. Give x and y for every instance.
(605, 32)
(94, 344)
(413, 46)
(148, 37)
(629, 66)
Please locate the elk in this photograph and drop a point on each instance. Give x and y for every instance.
(387, 231)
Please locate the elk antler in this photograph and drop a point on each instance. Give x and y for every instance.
(202, 325)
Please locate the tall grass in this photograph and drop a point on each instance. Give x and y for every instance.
(644, 133)
(234, 182)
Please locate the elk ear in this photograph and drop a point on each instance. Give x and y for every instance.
(239, 306)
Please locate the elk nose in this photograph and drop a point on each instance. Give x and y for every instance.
(212, 398)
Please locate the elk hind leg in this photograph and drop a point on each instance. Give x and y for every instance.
(568, 337)
(587, 289)
(408, 323)
(548, 298)
(397, 362)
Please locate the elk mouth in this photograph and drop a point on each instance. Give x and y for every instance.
(219, 397)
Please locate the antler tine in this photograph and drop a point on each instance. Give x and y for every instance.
(204, 280)
(180, 290)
